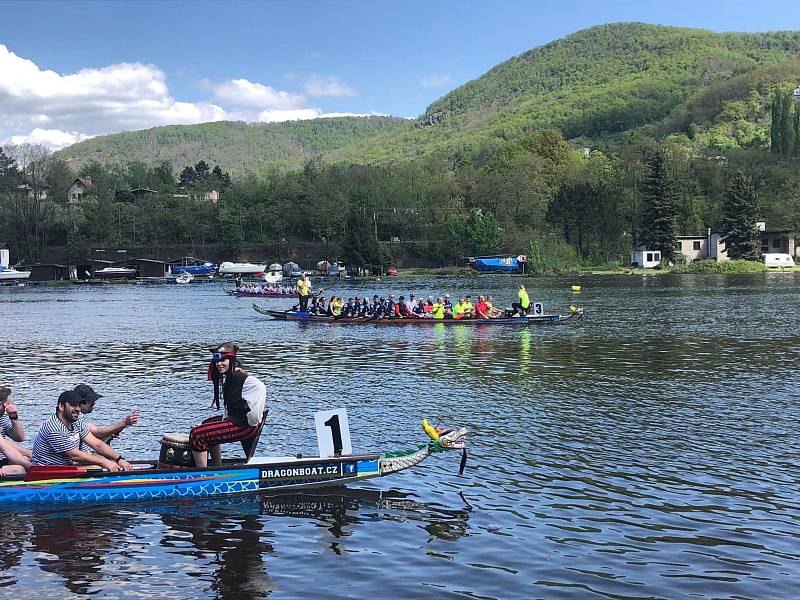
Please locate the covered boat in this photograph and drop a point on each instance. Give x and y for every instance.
(498, 264)
(193, 266)
(152, 479)
(290, 315)
(232, 268)
(291, 269)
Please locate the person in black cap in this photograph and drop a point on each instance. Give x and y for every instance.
(244, 399)
(106, 432)
(60, 438)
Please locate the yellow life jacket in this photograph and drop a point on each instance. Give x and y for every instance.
(523, 299)
(438, 311)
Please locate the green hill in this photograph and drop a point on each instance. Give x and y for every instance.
(239, 147)
(594, 85)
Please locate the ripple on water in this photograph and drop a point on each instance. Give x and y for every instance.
(649, 450)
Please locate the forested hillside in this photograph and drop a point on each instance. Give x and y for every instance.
(592, 86)
(240, 147)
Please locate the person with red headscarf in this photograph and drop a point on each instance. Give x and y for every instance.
(244, 401)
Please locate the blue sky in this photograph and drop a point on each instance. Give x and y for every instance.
(70, 70)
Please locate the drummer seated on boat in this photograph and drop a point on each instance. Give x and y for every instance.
(244, 399)
(60, 439)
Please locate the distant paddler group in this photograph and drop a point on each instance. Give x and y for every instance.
(381, 307)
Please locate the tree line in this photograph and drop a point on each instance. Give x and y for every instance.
(536, 196)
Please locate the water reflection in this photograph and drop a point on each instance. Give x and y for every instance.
(649, 449)
(75, 544)
(14, 533)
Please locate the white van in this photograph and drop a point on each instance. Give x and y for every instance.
(777, 259)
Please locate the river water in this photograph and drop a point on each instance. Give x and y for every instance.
(651, 449)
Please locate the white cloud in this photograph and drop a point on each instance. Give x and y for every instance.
(277, 116)
(328, 86)
(57, 110)
(52, 138)
(89, 102)
(241, 92)
(436, 80)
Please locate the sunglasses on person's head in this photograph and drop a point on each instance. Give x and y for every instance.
(218, 356)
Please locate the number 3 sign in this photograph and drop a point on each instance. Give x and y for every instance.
(333, 433)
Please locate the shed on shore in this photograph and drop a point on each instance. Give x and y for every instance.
(49, 272)
(149, 268)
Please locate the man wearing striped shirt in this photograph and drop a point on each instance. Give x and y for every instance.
(11, 453)
(61, 435)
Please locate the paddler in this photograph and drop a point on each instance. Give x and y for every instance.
(61, 436)
(106, 432)
(438, 309)
(244, 401)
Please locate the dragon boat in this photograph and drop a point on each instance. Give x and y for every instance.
(157, 479)
(240, 294)
(305, 317)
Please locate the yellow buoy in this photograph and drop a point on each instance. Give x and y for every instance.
(576, 288)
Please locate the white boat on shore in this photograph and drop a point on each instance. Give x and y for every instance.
(115, 273)
(184, 278)
(231, 268)
(274, 274)
(10, 273)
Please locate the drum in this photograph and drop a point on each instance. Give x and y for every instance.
(175, 451)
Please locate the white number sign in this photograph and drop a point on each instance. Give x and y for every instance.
(333, 433)
(537, 309)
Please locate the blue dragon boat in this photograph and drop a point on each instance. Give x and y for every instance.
(153, 480)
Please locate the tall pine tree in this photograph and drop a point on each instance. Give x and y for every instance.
(660, 208)
(740, 209)
(775, 129)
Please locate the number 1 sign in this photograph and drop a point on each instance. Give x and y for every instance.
(333, 433)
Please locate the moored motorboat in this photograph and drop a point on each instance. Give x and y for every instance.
(10, 274)
(304, 317)
(274, 274)
(153, 480)
(232, 268)
(184, 278)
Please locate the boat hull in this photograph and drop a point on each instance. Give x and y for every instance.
(270, 475)
(239, 294)
(228, 268)
(196, 270)
(514, 321)
(13, 274)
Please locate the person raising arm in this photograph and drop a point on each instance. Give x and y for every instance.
(105, 432)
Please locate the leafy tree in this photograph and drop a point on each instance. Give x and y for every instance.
(478, 234)
(660, 210)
